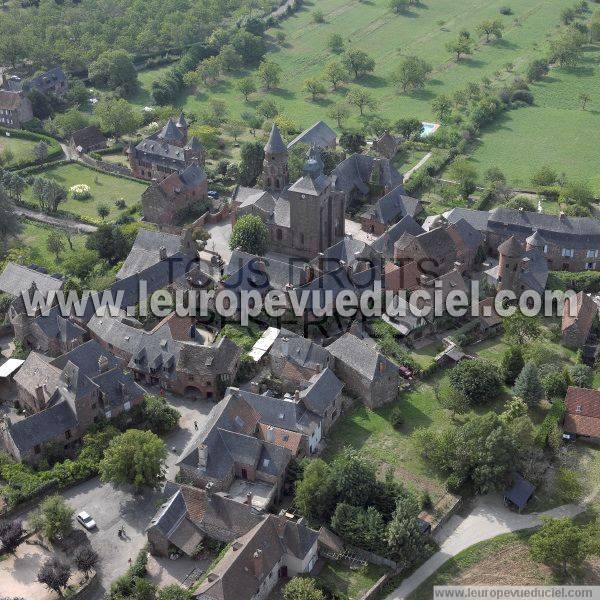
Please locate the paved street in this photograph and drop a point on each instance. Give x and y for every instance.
(488, 518)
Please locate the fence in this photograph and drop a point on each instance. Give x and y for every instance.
(107, 167)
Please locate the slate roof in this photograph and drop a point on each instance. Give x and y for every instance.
(284, 413)
(53, 325)
(356, 172)
(118, 387)
(48, 80)
(192, 176)
(319, 135)
(88, 137)
(113, 331)
(386, 145)
(470, 237)
(520, 492)
(37, 370)
(583, 411)
(145, 251)
(16, 279)
(275, 144)
(86, 357)
(299, 350)
(438, 246)
(385, 242)
(392, 207)
(323, 389)
(478, 219)
(247, 196)
(358, 355)
(43, 426)
(218, 359)
(170, 132)
(279, 274)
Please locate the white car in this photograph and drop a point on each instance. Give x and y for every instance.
(86, 520)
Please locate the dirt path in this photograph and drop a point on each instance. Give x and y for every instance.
(408, 173)
(488, 519)
(63, 223)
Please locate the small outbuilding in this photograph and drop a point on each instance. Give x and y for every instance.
(520, 493)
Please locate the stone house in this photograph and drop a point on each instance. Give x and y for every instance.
(66, 396)
(576, 328)
(319, 135)
(87, 140)
(166, 199)
(387, 145)
(15, 109)
(53, 81)
(365, 372)
(582, 416)
(165, 152)
(387, 210)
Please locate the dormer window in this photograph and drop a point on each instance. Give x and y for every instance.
(578, 408)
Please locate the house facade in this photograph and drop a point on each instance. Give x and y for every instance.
(15, 109)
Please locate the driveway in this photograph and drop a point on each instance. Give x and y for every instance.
(488, 518)
(219, 239)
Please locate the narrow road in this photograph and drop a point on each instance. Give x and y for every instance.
(64, 223)
(488, 519)
(408, 173)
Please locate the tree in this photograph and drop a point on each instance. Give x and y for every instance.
(315, 87)
(319, 16)
(411, 73)
(117, 116)
(103, 211)
(315, 492)
(246, 86)
(559, 543)
(352, 141)
(360, 98)
(409, 128)
(581, 376)
(85, 559)
(358, 62)
(442, 107)
(55, 243)
(536, 69)
(461, 45)
(115, 70)
(109, 242)
(161, 417)
(404, 536)
(528, 385)
(280, 37)
(235, 129)
(48, 193)
(584, 98)
(66, 123)
(9, 222)
(11, 535)
(489, 28)
(520, 329)
(40, 151)
(477, 380)
(250, 234)
(398, 6)
(302, 588)
(252, 156)
(134, 457)
(512, 363)
(173, 592)
(230, 59)
(465, 175)
(267, 109)
(55, 575)
(555, 385)
(340, 112)
(336, 73)
(514, 408)
(54, 518)
(566, 50)
(336, 43)
(270, 73)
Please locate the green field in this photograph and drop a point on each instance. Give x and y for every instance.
(556, 131)
(352, 583)
(32, 240)
(105, 189)
(387, 37)
(22, 149)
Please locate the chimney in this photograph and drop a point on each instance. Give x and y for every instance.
(102, 364)
(297, 396)
(192, 332)
(308, 271)
(249, 498)
(382, 366)
(40, 396)
(561, 215)
(202, 455)
(162, 253)
(254, 387)
(321, 261)
(285, 346)
(257, 559)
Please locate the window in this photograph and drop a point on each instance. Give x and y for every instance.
(279, 235)
(578, 408)
(68, 434)
(108, 414)
(127, 405)
(37, 449)
(591, 266)
(568, 252)
(592, 254)
(545, 249)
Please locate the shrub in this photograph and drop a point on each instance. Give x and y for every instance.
(80, 191)
(524, 96)
(505, 10)
(396, 417)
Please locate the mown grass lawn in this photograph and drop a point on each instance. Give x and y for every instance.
(105, 189)
(33, 240)
(407, 158)
(555, 131)
(338, 577)
(22, 149)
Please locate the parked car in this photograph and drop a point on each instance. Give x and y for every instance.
(213, 194)
(86, 520)
(405, 372)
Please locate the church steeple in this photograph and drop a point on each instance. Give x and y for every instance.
(275, 175)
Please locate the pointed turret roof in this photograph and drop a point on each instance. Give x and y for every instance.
(169, 132)
(181, 122)
(536, 240)
(510, 247)
(275, 144)
(313, 167)
(194, 144)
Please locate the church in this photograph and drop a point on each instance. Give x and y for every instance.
(304, 218)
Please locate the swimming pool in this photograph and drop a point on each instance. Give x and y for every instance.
(429, 128)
